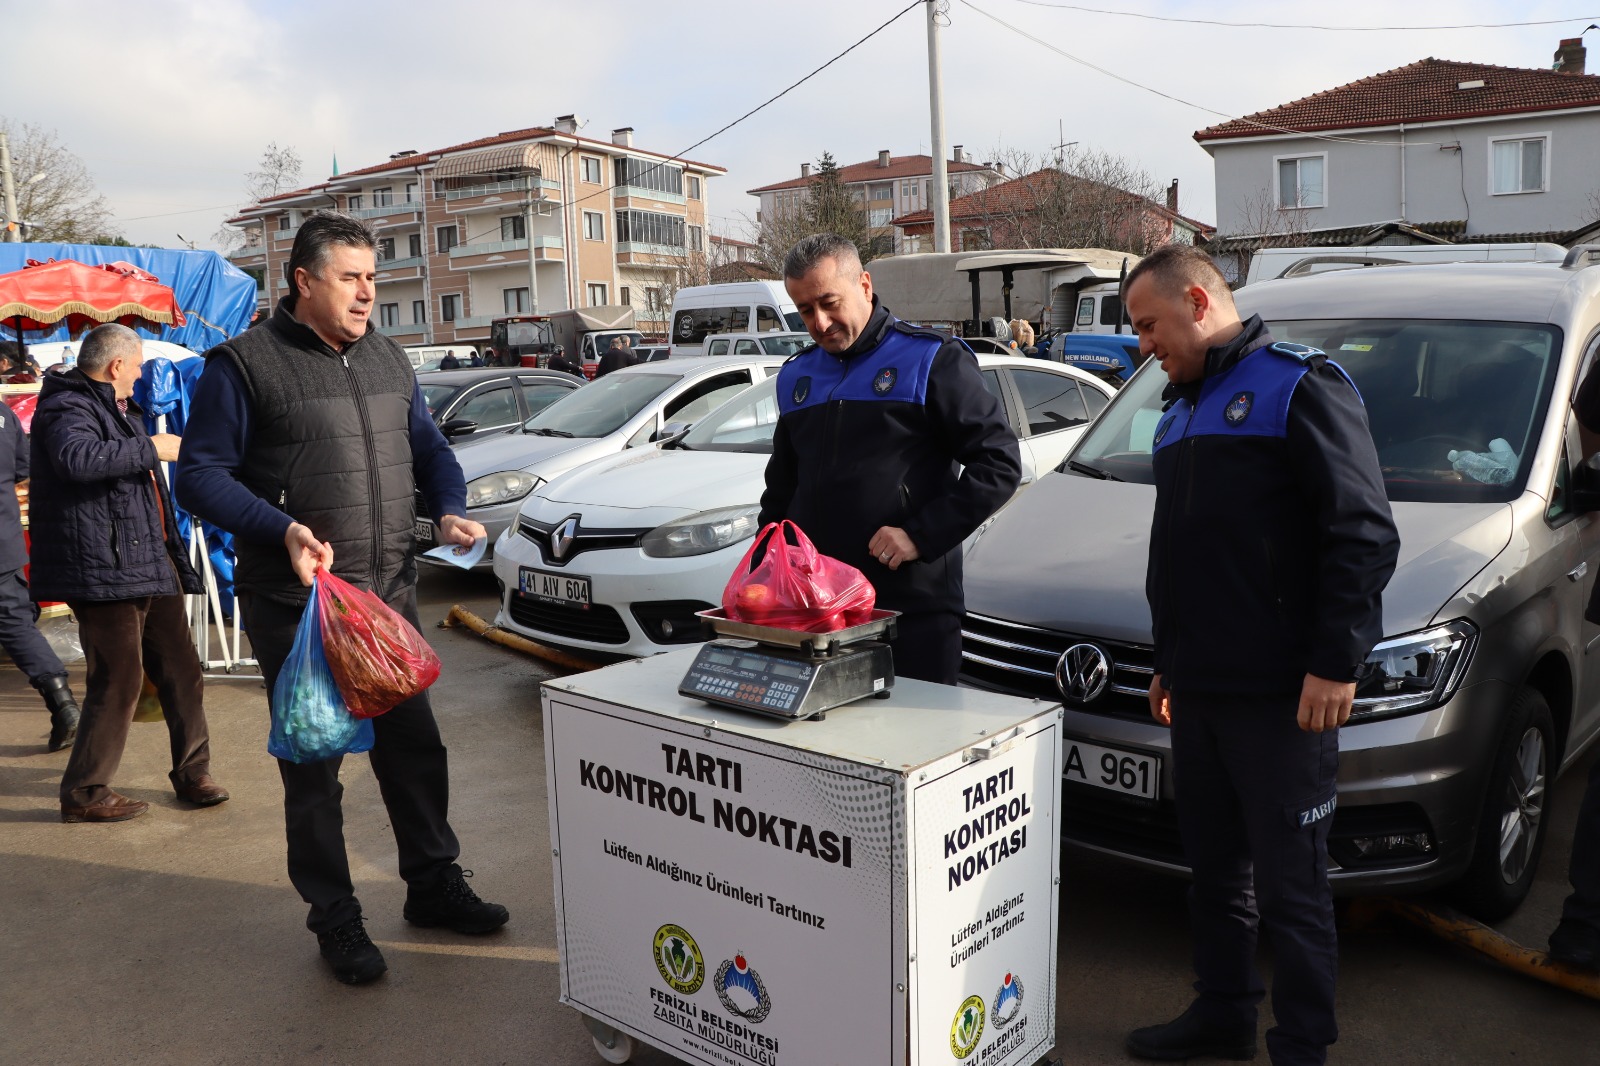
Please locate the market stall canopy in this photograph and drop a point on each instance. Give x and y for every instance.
(43, 295)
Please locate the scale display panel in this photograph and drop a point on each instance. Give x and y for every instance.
(753, 678)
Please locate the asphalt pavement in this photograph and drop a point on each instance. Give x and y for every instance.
(176, 937)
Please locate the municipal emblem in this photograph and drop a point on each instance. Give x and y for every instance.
(802, 389)
(741, 991)
(1238, 408)
(884, 381)
(1007, 1001)
(678, 959)
(967, 1027)
(1161, 430)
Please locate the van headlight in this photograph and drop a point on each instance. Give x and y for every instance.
(699, 534)
(503, 487)
(1415, 671)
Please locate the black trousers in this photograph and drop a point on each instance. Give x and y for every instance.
(19, 633)
(1255, 797)
(407, 758)
(1583, 906)
(928, 647)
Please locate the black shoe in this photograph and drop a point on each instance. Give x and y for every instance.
(450, 903)
(63, 712)
(352, 954)
(1576, 945)
(1188, 1037)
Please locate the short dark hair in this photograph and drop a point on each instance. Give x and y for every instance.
(318, 234)
(809, 253)
(1175, 267)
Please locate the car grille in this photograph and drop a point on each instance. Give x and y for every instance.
(1021, 660)
(599, 623)
(586, 540)
(1102, 819)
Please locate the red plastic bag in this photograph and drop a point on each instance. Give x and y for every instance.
(376, 657)
(793, 586)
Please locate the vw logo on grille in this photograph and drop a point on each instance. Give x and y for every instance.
(561, 538)
(1082, 673)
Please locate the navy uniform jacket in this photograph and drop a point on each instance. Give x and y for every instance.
(1272, 539)
(878, 436)
(13, 468)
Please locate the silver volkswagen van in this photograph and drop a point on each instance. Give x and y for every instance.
(1484, 686)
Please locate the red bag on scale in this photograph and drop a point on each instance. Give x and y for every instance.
(793, 586)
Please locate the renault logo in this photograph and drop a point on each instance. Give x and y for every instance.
(561, 538)
(1082, 673)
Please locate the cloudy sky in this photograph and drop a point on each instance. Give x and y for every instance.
(170, 103)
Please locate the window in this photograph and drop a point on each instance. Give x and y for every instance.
(717, 347)
(382, 197)
(1110, 310)
(699, 400)
(767, 318)
(643, 174)
(1302, 181)
(746, 347)
(446, 237)
(283, 222)
(624, 296)
(419, 312)
(490, 408)
(975, 240)
(353, 202)
(414, 245)
(691, 326)
(882, 190)
(1086, 310)
(591, 170)
(450, 305)
(597, 294)
(388, 314)
(697, 238)
(1050, 401)
(385, 248)
(1517, 166)
(594, 226)
(516, 300)
(694, 187)
(650, 227)
(411, 192)
(513, 228)
(538, 397)
(908, 190)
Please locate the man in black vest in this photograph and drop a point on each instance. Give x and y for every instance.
(315, 441)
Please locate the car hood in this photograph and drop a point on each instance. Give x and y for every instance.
(1085, 543)
(651, 478)
(512, 451)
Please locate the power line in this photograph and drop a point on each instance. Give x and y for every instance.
(1297, 25)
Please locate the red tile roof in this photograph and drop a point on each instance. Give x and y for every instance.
(900, 166)
(1425, 91)
(1020, 194)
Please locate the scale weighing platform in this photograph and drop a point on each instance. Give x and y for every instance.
(791, 674)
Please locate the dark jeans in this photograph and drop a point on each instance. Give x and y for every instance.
(19, 634)
(928, 647)
(120, 636)
(407, 758)
(1254, 798)
(1583, 906)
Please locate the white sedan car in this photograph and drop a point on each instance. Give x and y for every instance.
(619, 554)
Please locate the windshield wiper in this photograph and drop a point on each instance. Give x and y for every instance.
(545, 431)
(1092, 471)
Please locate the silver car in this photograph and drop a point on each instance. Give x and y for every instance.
(1483, 688)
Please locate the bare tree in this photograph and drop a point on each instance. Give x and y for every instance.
(56, 196)
(1267, 226)
(279, 171)
(1081, 198)
(826, 206)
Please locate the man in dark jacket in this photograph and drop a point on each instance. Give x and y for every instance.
(559, 361)
(106, 542)
(1271, 544)
(19, 633)
(316, 440)
(617, 356)
(888, 452)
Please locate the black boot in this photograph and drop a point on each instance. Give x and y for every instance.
(1189, 1037)
(63, 711)
(355, 959)
(447, 901)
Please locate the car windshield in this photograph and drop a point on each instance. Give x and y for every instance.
(436, 396)
(743, 424)
(1430, 388)
(601, 407)
(784, 346)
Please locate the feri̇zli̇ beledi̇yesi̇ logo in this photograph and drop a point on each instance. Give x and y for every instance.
(967, 1027)
(679, 960)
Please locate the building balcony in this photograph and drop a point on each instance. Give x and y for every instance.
(285, 234)
(542, 241)
(401, 264)
(248, 252)
(462, 251)
(401, 207)
(525, 184)
(670, 251)
(649, 194)
(476, 322)
(409, 330)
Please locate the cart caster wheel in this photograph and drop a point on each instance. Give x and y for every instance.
(620, 1049)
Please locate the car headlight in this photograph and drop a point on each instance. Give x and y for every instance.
(1415, 671)
(701, 533)
(503, 487)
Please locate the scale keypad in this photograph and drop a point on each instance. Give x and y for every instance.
(735, 676)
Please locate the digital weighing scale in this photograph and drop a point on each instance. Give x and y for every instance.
(790, 674)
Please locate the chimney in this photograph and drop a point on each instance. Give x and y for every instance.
(567, 124)
(1172, 196)
(805, 170)
(1570, 56)
(623, 136)
(883, 158)
(958, 156)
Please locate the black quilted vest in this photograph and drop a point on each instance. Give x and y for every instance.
(330, 446)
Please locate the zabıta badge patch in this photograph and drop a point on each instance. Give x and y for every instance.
(1238, 408)
(802, 389)
(884, 381)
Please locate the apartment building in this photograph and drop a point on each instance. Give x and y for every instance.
(529, 221)
(887, 187)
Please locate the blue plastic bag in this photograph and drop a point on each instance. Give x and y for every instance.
(310, 721)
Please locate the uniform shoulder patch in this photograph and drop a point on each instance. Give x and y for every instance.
(1303, 352)
(920, 331)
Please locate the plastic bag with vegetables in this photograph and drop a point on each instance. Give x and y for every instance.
(310, 721)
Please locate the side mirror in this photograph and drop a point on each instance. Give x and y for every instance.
(458, 426)
(670, 432)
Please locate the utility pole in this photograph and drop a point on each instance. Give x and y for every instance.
(13, 230)
(941, 172)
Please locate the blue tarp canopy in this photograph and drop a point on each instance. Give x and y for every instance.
(218, 299)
